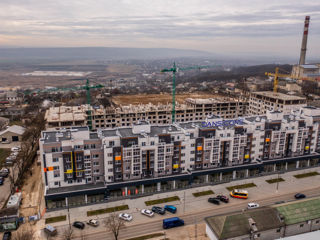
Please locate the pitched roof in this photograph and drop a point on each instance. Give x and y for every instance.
(301, 211)
(233, 225)
(15, 129)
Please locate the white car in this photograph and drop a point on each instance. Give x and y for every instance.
(253, 205)
(15, 149)
(147, 212)
(125, 216)
(93, 222)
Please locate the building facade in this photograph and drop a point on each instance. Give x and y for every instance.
(146, 158)
(191, 110)
(261, 102)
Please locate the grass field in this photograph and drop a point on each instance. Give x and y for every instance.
(4, 153)
(242, 186)
(107, 210)
(162, 200)
(204, 193)
(275, 180)
(309, 174)
(56, 219)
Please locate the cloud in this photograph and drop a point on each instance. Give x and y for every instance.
(134, 21)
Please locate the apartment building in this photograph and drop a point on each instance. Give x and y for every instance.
(261, 102)
(191, 110)
(146, 158)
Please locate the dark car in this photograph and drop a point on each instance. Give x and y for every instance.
(1, 180)
(158, 210)
(170, 208)
(6, 236)
(299, 196)
(79, 225)
(214, 201)
(223, 198)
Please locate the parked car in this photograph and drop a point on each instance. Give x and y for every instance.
(15, 149)
(4, 174)
(223, 198)
(78, 224)
(6, 236)
(50, 230)
(170, 208)
(299, 196)
(147, 212)
(93, 222)
(172, 222)
(125, 216)
(214, 201)
(158, 210)
(253, 205)
(6, 170)
(1, 180)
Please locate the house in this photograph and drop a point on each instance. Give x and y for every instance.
(274, 222)
(12, 134)
(9, 219)
(3, 122)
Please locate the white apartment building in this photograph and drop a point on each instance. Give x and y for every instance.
(261, 102)
(146, 157)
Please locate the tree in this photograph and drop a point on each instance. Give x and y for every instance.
(114, 224)
(67, 233)
(24, 233)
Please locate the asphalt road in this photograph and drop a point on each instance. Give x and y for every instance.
(198, 216)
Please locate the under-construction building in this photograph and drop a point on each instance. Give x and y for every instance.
(190, 110)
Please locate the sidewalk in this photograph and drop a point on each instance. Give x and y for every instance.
(291, 184)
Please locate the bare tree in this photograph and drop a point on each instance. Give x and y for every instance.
(24, 233)
(68, 233)
(114, 224)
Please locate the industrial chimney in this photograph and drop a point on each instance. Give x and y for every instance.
(304, 41)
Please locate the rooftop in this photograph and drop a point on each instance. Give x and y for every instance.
(233, 225)
(278, 95)
(300, 211)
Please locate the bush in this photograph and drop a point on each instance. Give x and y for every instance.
(107, 210)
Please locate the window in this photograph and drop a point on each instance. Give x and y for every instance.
(109, 154)
(301, 225)
(86, 157)
(110, 162)
(95, 163)
(96, 171)
(143, 143)
(56, 183)
(54, 149)
(56, 168)
(70, 181)
(56, 174)
(317, 221)
(110, 170)
(95, 156)
(77, 146)
(278, 230)
(55, 159)
(152, 143)
(111, 143)
(93, 146)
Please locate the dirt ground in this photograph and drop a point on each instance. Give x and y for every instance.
(157, 98)
(185, 233)
(32, 192)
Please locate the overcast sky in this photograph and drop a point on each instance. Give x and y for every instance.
(226, 26)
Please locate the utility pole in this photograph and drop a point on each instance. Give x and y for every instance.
(195, 229)
(184, 201)
(278, 181)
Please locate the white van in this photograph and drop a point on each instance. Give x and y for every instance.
(253, 205)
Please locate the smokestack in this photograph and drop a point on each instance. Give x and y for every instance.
(304, 41)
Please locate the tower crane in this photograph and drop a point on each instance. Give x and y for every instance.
(276, 75)
(175, 69)
(85, 87)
